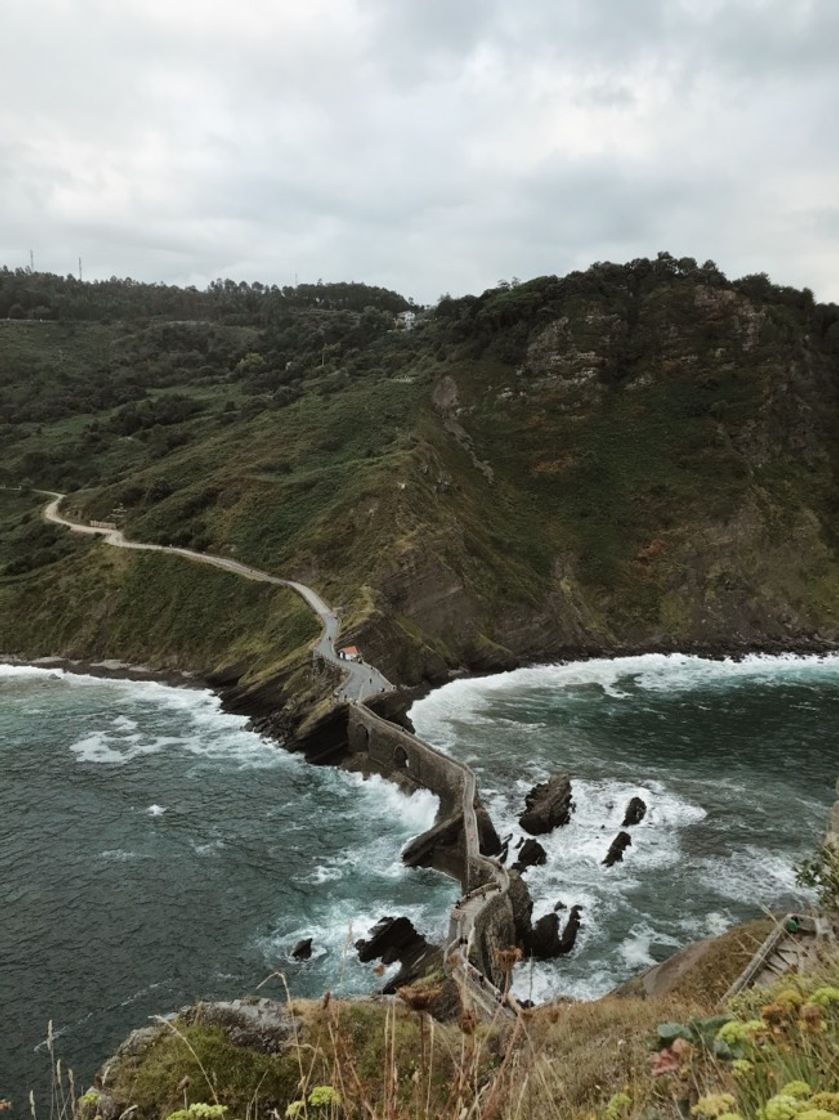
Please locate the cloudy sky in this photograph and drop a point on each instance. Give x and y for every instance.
(427, 145)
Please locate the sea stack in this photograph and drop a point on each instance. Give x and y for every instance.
(548, 805)
(635, 812)
(618, 846)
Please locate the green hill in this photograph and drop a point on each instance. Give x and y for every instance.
(635, 456)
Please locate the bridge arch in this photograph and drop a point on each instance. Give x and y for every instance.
(400, 758)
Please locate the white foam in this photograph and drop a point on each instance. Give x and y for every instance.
(753, 873)
(416, 811)
(155, 810)
(97, 748)
(121, 855)
(619, 678)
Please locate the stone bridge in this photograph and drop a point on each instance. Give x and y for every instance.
(462, 840)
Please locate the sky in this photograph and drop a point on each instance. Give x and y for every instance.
(429, 146)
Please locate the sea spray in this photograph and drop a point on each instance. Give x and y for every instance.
(729, 756)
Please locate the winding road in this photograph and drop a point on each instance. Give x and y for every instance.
(361, 682)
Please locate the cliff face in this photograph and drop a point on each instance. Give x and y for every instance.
(635, 457)
(660, 475)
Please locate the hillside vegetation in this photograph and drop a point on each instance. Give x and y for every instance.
(635, 456)
(768, 1055)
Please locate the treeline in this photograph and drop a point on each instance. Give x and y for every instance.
(502, 318)
(25, 294)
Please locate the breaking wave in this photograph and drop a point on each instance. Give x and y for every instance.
(728, 756)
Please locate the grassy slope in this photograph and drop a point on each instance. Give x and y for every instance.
(664, 474)
(98, 601)
(562, 1060)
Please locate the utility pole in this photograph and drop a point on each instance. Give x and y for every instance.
(80, 268)
(31, 260)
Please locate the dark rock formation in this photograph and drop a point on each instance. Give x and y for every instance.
(488, 839)
(572, 928)
(618, 846)
(635, 812)
(522, 907)
(532, 854)
(547, 806)
(546, 942)
(302, 951)
(395, 939)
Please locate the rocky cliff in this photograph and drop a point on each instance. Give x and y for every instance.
(640, 456)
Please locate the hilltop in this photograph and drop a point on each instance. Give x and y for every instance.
(637, 456)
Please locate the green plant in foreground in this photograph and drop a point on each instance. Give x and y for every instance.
(321, 1098)
(820, 873)
(199, 1111)
(776, 1060)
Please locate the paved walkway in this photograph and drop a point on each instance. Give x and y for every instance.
(360, 680)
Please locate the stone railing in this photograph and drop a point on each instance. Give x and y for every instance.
(482, 921)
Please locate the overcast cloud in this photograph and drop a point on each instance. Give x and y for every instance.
(427, 145)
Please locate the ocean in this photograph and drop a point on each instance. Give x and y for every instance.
(155, 852)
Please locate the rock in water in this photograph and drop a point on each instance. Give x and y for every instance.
(547, 806)
(544, 938)
(618, 846)
(545, 941)
(532, 854)
(572, 928)
(302, 951)
(395, 939)
(635, 812)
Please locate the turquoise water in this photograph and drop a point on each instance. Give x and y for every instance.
(154, 852)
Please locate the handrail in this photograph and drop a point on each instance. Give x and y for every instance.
(473, 980)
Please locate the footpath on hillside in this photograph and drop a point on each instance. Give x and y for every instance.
(360, 682)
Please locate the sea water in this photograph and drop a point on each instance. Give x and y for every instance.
(154, 852)
(736, 761)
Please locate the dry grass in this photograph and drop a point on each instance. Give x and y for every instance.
(385, 1060)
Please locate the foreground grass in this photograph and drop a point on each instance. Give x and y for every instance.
(772, 1054)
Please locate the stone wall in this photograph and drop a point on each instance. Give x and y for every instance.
(494, 930)
(375, 745)
(384, 748)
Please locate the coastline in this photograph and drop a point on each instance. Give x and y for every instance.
(399, 702)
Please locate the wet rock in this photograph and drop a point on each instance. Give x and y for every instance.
(635, 812)
(395, 939)
(302, 951)
(618, 846)
(572, 928)
(522, 907)
(560, 905)
(546, 941)
(488, 838)
(532, 854)
(547, 806)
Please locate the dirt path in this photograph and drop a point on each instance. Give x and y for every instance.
(361, 680)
